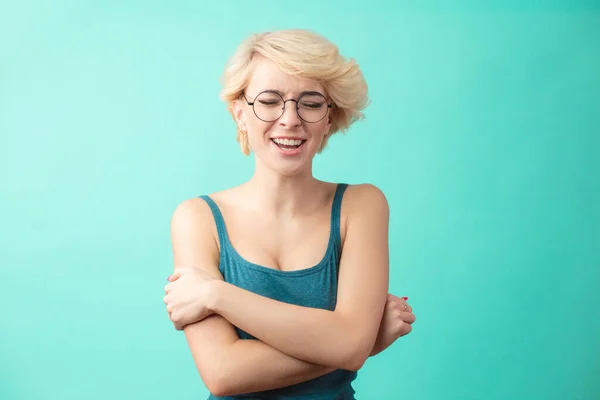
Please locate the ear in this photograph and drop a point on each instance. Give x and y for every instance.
(329, 121)
(238, 113)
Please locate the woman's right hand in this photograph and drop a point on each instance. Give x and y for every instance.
(396, 322)
(187, 296)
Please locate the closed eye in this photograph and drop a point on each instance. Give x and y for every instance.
(312, 105)
(269, 103)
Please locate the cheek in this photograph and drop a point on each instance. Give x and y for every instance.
(318, 130)
(257, 132)
(257, 126)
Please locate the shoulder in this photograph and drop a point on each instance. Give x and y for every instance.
(364, 199)
(194, 237)
(193, 222)
(196, 210)
(194, 218)
(364, 207)
(190, 213)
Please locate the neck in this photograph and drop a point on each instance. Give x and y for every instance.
(283, 194)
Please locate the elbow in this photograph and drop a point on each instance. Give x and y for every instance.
(218, 390)
(213, 383)
(218, 381)
(223, 383)
(356, 358)
(219, 386)
(356, 361)
(215, 388)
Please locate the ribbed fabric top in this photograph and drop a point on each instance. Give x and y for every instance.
(311, 287)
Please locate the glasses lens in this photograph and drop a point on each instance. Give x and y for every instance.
(312, 107)
(268, 106)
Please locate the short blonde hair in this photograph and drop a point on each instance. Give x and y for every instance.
(307, 55)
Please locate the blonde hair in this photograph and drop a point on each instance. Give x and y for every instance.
(307, 55)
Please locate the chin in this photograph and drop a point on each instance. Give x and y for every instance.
(289, 170)
(291, 162)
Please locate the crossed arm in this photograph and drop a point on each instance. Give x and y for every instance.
(295, 343)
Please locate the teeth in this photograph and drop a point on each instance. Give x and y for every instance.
(288, 142)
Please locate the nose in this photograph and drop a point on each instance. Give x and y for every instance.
(290, 114)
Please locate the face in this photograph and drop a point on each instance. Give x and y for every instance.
(285, 141)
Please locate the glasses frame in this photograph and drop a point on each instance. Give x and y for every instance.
(297, 101)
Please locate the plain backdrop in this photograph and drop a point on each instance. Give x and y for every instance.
(483, 132)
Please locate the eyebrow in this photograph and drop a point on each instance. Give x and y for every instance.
(310, 92)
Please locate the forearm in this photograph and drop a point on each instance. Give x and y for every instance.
(251, 366)
(314, 335)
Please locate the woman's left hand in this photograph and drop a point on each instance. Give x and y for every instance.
(188, 295)
(396, 322)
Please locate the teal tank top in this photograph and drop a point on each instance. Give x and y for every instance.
(313, 287)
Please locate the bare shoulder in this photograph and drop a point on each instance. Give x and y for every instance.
(194, 235)
(192, 214)
(365, 192)
(364, 200)
(195, 213)
(363, 205)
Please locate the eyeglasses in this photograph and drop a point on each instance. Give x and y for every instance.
(269, 106)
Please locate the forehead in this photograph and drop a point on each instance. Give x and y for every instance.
(268, 76)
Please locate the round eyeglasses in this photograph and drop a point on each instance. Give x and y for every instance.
(269, 106)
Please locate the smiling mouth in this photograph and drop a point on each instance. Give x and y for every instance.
(288, 144)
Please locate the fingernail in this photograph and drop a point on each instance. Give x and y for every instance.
(405, 298)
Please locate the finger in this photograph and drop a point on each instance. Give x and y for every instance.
(404, 306)
(400, 305)
(395, 298)
(177, 274)
(405, 329)
(400, 301)
(407, 317)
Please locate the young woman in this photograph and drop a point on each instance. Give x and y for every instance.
(280, 283)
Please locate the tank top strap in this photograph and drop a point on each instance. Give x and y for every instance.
(336, 213)
(219, 221)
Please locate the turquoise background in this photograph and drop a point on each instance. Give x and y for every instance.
(483, 132)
